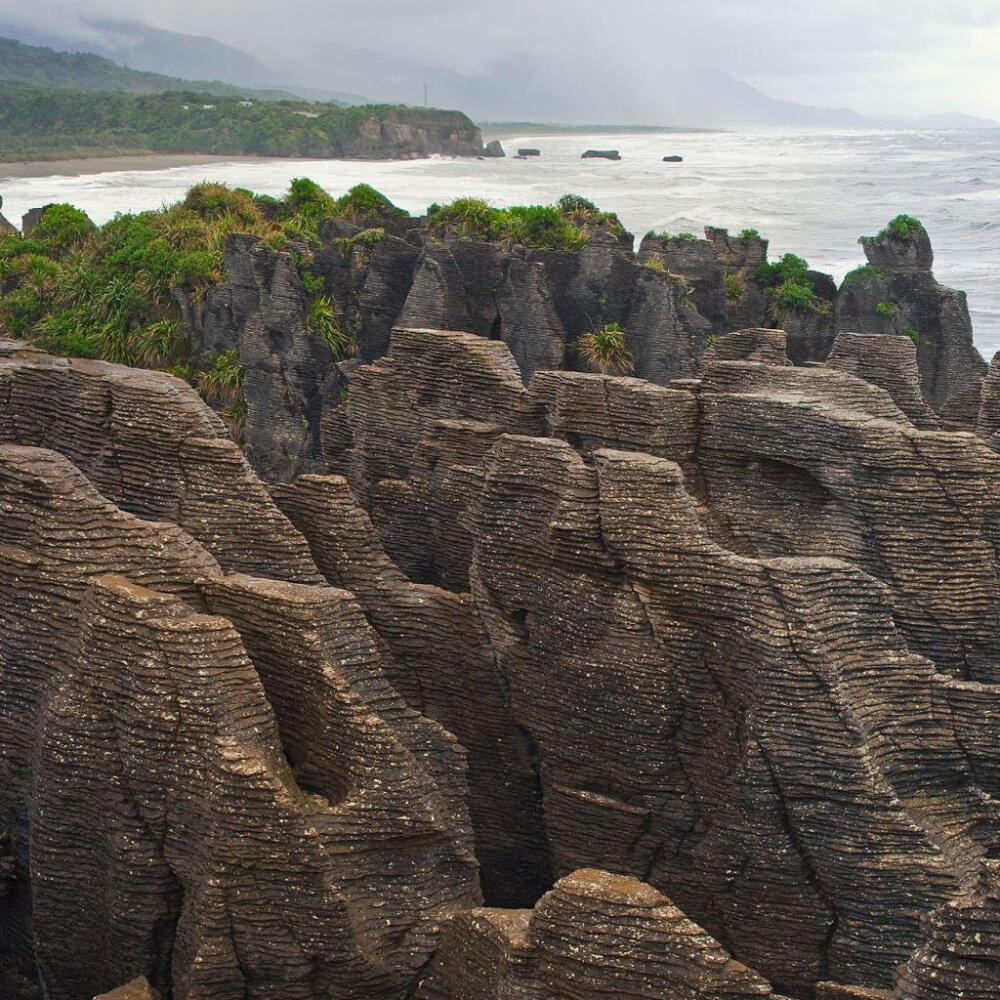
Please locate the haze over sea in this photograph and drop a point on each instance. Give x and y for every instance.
(809, 192)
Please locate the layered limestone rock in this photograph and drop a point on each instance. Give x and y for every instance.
(673, 299)
(961, 956)
(152, 447)
(411, 423)
(890, 363)
(231, 864)
(595, 934)
(208, 780)
(441, 662)
(288, 369)
(897, 294)
(721, 744)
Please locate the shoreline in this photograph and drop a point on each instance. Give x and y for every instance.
(84, 165)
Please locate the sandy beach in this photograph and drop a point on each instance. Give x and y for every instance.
(104, 164)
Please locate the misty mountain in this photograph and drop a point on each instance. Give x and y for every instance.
(169, 55)
(191, 57)
(44, 68)
(505, 87)
(954, 120)
(714, 98)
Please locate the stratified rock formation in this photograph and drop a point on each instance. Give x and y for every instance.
(674, 299)
(188, 758)
(897, 293)
(692, 678)
(595, 934)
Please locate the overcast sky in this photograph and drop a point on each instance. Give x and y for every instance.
(588, 59)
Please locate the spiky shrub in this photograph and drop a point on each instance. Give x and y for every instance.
(62, 227)
(606, 351)
(749, 234)
(540, 227)
(788, 286)
(325, 322)
(222, 384)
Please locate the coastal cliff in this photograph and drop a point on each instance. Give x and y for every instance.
(553, 635)
(54, 124)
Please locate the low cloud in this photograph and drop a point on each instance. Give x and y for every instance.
(588, 59)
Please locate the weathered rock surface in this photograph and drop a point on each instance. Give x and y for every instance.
(671, 299)
(230, 806)
(897, 293)
(138, 989)
(443, 665)
(150, 445)
(595, 934)
(716, 649)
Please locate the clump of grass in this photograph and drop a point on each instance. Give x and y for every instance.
(324, 320)
(887, 309)
(655, 264)
(905, 228)
(788, 285)
(749, 234)
(606, 351)
(734, 288)
(367, 240)
(902, 229)
(908, 331)
(667, 238)
(540, 227)
(222, 383)
(62, 227)
(586, 216)
(868, 273)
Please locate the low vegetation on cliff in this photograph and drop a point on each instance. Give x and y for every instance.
(55, 123)
(567, 225)
(113, 292)
(789, 286)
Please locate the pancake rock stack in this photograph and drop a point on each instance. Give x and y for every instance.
(512, 681)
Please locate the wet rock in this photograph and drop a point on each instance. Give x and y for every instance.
(138, 989)
(601, 154)
(494, 149)
(897, 294)
(890, 363)
(594, 934)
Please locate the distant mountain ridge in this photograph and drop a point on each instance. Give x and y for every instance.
(37, 66)
(159, 60)
(151, 60)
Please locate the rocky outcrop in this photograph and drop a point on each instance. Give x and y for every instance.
(494, 149)
(692, 678)
(890, 363)
(764, 345)
(673, 300)
(602, 154)
(6, 229)
(288, 368)
(203, 773)
(594, 934)
(442, 664)
(152, 447)
(897, 293)
(138, 989)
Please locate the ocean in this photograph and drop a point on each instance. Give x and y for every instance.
(809, 192)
